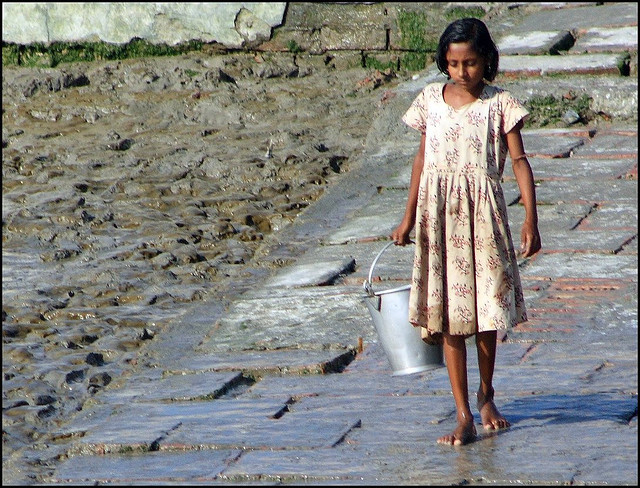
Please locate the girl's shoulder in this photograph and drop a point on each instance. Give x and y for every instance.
(433, 87)
(510, 108)
(499, 93)
(432, 91)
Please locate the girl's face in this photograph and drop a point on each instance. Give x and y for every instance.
(466, 68)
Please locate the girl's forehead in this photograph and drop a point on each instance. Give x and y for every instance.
(461, 49)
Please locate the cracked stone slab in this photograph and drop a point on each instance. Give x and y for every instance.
(599, 39)
(379, 412)
(236, 423)
(566, 408)
(610, 216)
(553, 217)
(402, 179)
(579, 228)
(369, 375)
(528, 380)
(365, 227)
(535, 42)
(615, 145)
(294, 361)
(326, 466)
(293, 317)
(530, 65)
(389, 456)
(393, 268)
(611, 94)
(139, 426)
(590, 40)
(177, 386)
(582, 16)
(611, 456)
(312, 273)
(581, 167)
(376, 220)
(151, 467)
(556, 146)
(557, 192)
(582, 265)
(395, 262)
(606, 242)
(533, 434)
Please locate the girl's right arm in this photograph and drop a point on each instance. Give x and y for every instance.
(401, 234)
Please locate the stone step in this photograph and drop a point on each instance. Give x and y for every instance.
(590, 40)
(570, 64)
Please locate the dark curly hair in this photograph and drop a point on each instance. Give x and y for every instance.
(474, 31)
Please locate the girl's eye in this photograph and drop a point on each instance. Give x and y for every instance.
(453, 64)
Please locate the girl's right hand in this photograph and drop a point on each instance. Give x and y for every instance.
(401, 235)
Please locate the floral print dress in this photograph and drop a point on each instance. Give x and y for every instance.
(465, 272)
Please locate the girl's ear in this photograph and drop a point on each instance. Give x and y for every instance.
(490, 67)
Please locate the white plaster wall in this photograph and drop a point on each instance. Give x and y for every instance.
(232, 24)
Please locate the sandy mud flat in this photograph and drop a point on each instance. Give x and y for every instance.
(134, 188)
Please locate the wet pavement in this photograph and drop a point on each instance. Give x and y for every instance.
(290, 385)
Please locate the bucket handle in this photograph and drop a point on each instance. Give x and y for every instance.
(367, 283)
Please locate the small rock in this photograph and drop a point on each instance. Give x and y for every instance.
(146, 334)
(95, 359)
(100, 380)
(571, 117)
(44, 399)
(46, 412)
(75, 376)
(120, 145)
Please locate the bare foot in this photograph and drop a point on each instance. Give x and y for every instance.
(463, 434)
(491, 418)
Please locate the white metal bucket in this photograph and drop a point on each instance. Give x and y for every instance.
(402, 343)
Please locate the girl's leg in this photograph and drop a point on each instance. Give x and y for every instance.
(455, 354)
(486, 346)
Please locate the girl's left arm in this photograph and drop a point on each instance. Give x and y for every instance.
(530, 236)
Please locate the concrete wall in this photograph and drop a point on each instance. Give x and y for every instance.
(232, 24)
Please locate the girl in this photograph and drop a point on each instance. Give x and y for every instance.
(465, 274)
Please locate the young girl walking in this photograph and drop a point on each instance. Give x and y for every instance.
(465, 273)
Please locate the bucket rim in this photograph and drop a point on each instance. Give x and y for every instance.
(392, 290)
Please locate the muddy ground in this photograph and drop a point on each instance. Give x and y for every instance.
(134, 188)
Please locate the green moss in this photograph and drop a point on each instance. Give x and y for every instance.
(413, 31)
(293, 46)
(9, 55)
(51, 55)
(549, 111)
(374, 63)
(456, 13)
(624, 64)
(413, 61)
(413, 28)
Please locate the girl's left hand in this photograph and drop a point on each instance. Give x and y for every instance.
(530, 240)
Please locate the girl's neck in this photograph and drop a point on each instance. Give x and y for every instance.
(473, 92)
(458, 96)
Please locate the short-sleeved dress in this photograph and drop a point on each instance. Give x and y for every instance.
(465, 271)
